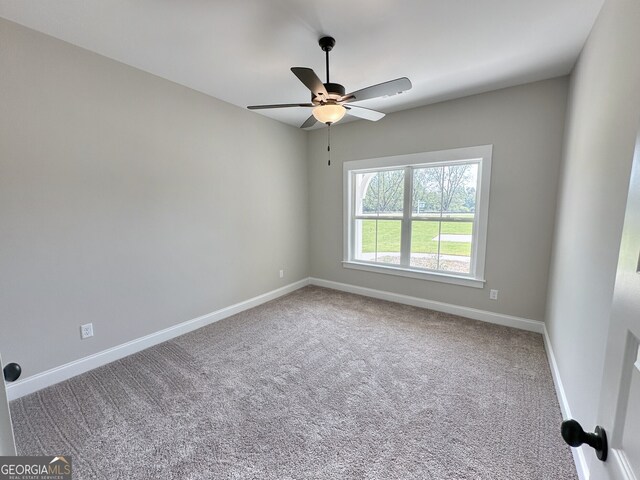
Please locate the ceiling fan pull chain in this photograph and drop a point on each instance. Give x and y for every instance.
(329, 143)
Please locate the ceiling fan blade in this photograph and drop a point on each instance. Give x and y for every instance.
(389, 88)
(280, 105)
(365, 113)
(309, 122)
(311, 80)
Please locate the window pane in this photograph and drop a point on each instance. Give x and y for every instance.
(379, 193)
(424, 245)
(447, 192)
(455, 246)
(442, 246)
(459, 189)
(427, 191)
(378, 240)
(450, 189)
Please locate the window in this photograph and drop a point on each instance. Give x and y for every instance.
(421, 215)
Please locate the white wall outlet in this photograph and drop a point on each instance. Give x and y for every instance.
(281, 273)
(493, 294)
(86, 330)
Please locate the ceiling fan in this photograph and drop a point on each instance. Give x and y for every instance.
(329, 101)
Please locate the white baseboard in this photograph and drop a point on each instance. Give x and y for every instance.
(578, 453)
(63, 372)
(473, 313)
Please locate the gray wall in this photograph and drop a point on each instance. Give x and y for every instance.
(602, 120)
(525, 124)
(132, 202)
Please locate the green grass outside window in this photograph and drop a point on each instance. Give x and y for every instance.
(422, 236)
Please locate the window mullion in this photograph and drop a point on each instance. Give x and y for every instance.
(354, 234)
(440, 223)
(405, 246)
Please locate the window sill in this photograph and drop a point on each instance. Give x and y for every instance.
(405, 272)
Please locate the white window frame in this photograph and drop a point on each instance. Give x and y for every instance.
(481, 154)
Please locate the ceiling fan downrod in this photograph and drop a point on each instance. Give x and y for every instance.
(327, 44)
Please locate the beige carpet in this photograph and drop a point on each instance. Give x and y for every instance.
(316, 385)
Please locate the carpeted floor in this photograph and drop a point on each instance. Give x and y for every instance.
(315, 385)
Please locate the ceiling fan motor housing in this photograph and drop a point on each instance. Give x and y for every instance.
(335, 91)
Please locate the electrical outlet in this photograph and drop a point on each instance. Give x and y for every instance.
(86, 330)
(281, 273)
(493, 294)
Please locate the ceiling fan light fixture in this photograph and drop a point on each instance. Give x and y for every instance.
(329, 113)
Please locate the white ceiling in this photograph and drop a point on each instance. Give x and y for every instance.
(240, 51)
